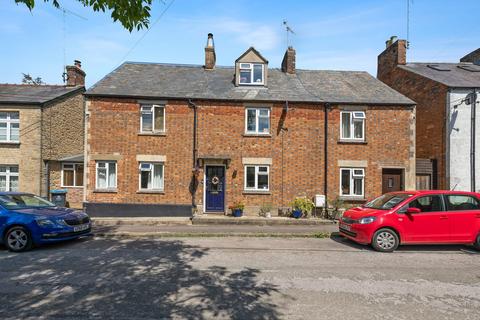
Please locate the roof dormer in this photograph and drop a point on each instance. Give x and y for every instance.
(251, 69)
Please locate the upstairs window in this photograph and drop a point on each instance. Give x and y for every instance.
(257, 120)
(151, 176)
(152, 118)
(8, 178)
(9, 126)
(251, 73)
(352, 125)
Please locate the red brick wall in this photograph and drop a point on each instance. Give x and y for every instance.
(114, 127)
(430, 97)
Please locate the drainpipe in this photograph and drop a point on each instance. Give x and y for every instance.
(472, 139)
(194, 152)
(325, 183)
(47, 179)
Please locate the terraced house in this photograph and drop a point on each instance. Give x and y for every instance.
(41, 137)
(162, 138)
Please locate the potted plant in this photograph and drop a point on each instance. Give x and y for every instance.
(237, 209)
(302, 206)
(339, 207)
(265, 210)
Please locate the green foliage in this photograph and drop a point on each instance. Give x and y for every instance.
(338, 203)
(28, 79)
(303, 204)
(132, 14)
(238, 206)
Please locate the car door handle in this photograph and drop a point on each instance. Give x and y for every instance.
(443, 217)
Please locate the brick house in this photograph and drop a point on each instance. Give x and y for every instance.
(162, 138)
(41, 132)
(447, 143)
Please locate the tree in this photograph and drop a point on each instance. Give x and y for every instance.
(132, 14)
(28, 79)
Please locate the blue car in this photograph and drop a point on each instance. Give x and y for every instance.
(27, 220)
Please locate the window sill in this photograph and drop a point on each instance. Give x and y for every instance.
(353, 199)
(257, 135)
(163, 133)
(256, 192)
(10, 143)
(72, 187)
(105, 190)
(150, 192)
(347, 141)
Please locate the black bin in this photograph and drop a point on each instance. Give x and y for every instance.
(59, 197)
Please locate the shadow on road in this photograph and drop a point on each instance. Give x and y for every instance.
(407, 248)
(142, 279)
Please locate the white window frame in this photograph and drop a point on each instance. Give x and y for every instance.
(257, 173)
(9, 121)
(74, 174)
(250, 68)
(7, 174)
(353, 175)
(257, 117)
(152, 110)
(152, 164)
(107, 174)
(354, 116)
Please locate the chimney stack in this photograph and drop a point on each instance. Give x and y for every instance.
(288, 62)
(75, 75)
(395, 54)
(210, 56)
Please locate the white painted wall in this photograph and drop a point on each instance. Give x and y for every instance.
(458, 131)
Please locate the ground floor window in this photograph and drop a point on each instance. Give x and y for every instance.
(352, 182)
(72, 175)
(423, 182)
(106, 175)
(151, 176)
(257, 177)
(8, 178)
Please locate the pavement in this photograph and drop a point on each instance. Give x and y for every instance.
(238, 278)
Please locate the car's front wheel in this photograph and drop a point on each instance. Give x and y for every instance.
(18, 239)
(385, 240)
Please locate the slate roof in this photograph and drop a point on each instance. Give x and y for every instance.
(156, 80)
(32, 94)
(456, 76)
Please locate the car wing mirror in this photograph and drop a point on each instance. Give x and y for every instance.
(413, 211)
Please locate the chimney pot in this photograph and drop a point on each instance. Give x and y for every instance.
(77, 63)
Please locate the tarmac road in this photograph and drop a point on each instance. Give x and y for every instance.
(238, 278)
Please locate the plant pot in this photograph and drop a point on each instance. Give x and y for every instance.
(296, 213)
(237, 213)
(268, 215)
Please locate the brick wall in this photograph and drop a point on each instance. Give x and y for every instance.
(296, 153)
(74, 194)
(430, 97)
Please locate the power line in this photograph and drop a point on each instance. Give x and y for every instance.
(147, 31)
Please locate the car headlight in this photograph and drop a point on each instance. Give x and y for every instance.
(44, 223)
(366, 220)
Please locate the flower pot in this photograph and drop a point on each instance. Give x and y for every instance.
(296, 213)
(268, 215)
(237, 213)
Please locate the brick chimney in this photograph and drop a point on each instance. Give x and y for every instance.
(288, 62)
(472, 57)
(210, 56)
(75, 75)
(395, 54)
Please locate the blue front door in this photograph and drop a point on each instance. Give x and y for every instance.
(215, 188)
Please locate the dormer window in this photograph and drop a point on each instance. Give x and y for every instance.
(251, 73)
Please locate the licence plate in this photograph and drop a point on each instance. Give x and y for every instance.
(345, 226)
(81, 227)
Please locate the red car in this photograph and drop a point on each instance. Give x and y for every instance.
(415, 217)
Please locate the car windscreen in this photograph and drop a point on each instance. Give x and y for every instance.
(387, 201)
(21, 201)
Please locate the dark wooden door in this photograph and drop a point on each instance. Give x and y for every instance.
(392, 180)
(215, 188)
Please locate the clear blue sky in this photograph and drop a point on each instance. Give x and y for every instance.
(340, 34)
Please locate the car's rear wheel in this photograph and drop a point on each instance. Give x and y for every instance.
(385, 240)
(18, 239)
(476, 244)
